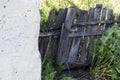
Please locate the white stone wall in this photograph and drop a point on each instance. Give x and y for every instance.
(19, 30)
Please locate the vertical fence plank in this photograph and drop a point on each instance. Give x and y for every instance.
(109, 17)
(101, 27)
(44, 42)
(63, 50)
(118, 19)
(50, 19)
(104, 11)
(83, 53)
(89, 30)
(53, 47)
(76, 41)
(60, 18)
(94, 28)
(97, 14)
(103, 17)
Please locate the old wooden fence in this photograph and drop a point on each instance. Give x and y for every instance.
(70, 33)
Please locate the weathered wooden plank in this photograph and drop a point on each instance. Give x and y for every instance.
(56, 34)
(80, 34)
(109, 17)
(90, 23)
(88, 31)
(110, 14)
(83, 53)
(52, 51)
(90, 18)
(50, 19)
(104, 11)
(44, 41)
(69, 18)
(77, 33)
(74, 50)
(53, 46)
(76, 65)
(47, 49)
(60, 19)
(47, 40)
(63, 50)
(97, 16)
(95, 22)
(59, 53)
(52, 33)
(118, 19)
(76, 41)
(101, 28)
(97, 12)
(94, 17)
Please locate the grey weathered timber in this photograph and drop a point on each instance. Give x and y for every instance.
(109, 17)
(89, 31)
(50, 19)
(101, 27)
(56, 31)
(49, 44)
(43, 47)
(53, 46)
(103, 17)
(43, 42)
(63, 49)
(83, 54)
(48, 26)
(118, 19)
(76, 41)
(69, 18)
(96, 17)
(60, 18)
(80, 34)
(96, 22)
(47, 34)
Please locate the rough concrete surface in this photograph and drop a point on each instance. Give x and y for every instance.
(19, 30)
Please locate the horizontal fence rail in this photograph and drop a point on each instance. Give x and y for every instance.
(56, 31)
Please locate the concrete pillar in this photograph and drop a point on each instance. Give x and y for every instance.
(19, 30)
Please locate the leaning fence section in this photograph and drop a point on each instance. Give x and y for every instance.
(48, 40)
(70, 34)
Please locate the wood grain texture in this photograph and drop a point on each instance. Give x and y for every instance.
(76, 41)
(63, 50)
(43, 42)
(53, 46)
(95, 17)
(109, 17)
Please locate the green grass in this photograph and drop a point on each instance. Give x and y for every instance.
(105, 63)
(49, 72)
